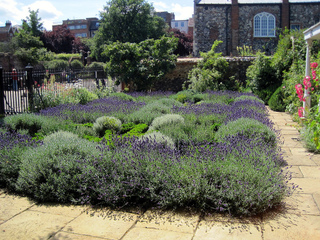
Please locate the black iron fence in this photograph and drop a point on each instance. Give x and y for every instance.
(19, 86)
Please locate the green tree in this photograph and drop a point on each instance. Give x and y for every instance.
(211, 73)
(33, 25)
(26, 44)
(127, 21)
(140, 64)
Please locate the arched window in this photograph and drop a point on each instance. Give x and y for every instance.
(264, 25)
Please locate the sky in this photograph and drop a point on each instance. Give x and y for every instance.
(54, 11)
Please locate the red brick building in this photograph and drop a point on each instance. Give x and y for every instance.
(7, 32)
(85, 28)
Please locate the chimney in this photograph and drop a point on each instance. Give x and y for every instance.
(285, 18)
(8, 23)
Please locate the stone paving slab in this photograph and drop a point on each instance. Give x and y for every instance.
(316, 197)
(103, 223)
(302, 204)
(316, 159)
(299, 160)
(310, 171)
(59, 209)
(294, 171)
(11, 205)
(156, 234)
(32, 225)
(71, 236)
(169, 221)
(307, 185)
(227, 230)
(292, 227)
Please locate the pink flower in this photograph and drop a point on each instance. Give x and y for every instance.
(314, 74)
(300, 111)
(314, 65)
(306, 82)
(299, 91)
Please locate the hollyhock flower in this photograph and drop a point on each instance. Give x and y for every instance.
(314, 65)
(300, 111)
(314, 74)
(299, 91)
(306, 82)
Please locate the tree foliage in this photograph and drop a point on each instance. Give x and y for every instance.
(211, 72)
(127, 21)
(140, 64)
(26, 44)
(185, 44)
(59, 40)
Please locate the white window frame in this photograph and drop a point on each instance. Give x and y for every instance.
(264, 25)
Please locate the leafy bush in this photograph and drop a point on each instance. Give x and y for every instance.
(56, 64)
(76, 64)
(96, 65)
(26, 121)
(250, 128)
(12, 146)
(84, 96)
(276, 101)
(122, 96)
(67, 56)
(52, 171)
(248, 97)
(210, 73)
(149, 112)
(159, 138)
(261, 77)
(308, 137)
(166, 119)
(106, 123)
(137, 130)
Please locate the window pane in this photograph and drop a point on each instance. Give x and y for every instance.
(271, 26)
(257, 26)
(264, 26)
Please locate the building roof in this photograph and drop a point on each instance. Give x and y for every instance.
(253, 1)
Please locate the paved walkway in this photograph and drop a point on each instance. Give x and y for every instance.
(299, 219)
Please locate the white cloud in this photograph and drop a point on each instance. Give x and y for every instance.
(47, 12)
(180, 12)
(13, 11)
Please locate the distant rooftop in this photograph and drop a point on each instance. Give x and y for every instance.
(253, 1)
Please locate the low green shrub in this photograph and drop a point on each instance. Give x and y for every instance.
(12, 146)
(247, 127)
(51, 172)
(84, 96)
(147, 113)
(166, 119)
(56, 64)
(137, 130)
(159, 137)
(308, 139)
(106, 123)
(76, 64)
(122, 96)
(276, 102)
(247, 97)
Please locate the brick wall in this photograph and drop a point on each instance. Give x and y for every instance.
(233, 24)
(174, 80)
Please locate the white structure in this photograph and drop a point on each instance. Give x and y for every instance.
(182, 25)
(313, 33)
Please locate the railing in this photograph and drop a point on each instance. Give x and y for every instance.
(17, 90)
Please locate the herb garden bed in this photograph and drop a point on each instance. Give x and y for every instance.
(214, 151)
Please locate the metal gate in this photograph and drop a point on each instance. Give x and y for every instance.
(13, 91)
